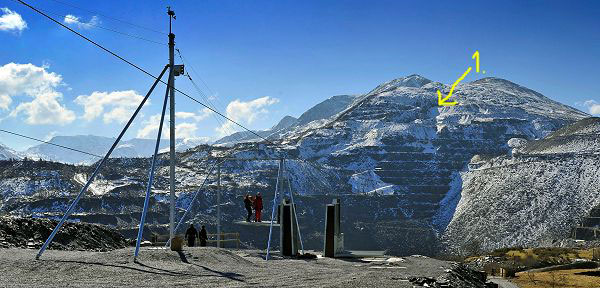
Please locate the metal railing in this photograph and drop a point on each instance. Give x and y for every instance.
(225, 237)
(158, 240)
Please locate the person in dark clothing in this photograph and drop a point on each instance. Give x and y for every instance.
(258, 206)
(190, 235)
(203, 236)
(248, 205)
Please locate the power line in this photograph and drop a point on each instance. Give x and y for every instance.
(219, 121)
(142, 70)
(232, 132)
(105, 28)
(197, 74)
(110, 17)
(50, 143)
(126, 34)
(151, 75)
(207, 99)
(202, 94)
(129, 35)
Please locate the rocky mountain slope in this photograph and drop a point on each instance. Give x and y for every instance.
(7, 153)
(396, 140)
(533, 197)
(402, 140)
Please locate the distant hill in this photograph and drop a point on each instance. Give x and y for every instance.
(99, 145)
(7, 153)
(321, 111)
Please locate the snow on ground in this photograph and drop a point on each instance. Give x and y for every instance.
(369, 182)
(449, 203)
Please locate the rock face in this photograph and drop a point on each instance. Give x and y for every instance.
(532, 198)
(31, 233)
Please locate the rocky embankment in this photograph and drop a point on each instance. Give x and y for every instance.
(534, 197)
(31, 233)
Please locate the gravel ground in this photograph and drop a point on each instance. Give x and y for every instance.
(205, 266)
(503, 283)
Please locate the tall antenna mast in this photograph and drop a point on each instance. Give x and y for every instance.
(171, 14)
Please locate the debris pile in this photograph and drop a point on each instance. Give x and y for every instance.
(457, 277)
(32, 232)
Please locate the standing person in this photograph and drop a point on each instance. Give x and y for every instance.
(248, 205)
(203, 236)
(258, 206)
(190, 235)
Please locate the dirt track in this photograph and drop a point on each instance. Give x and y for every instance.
(203, 267)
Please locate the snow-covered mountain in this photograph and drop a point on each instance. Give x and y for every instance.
(99, 145)
(397, 140)
(534, 197)
(400, 133)
(320, 112)
(7, 153)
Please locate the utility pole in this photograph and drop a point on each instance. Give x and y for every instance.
(171, 127)
(219, 206)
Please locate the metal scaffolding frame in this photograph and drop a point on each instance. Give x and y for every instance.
(151, 176)
(97, 170)
(280, 174)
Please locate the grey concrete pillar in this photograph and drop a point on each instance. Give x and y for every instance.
(334, 238)
(288, 232)
(329, 245)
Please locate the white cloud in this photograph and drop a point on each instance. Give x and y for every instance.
(74, 20)
(45, 109)
(151, 127)
(184, 130)
(50, 135)
(204, 113)
(71, 19)
(245, 112)
(16, 79)
(11, 21)
(593, 107)
(120, 105)
(38, 83)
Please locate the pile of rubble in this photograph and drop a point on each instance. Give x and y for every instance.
(32, 232)
(458, 277)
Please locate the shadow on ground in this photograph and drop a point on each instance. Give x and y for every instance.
(159, 271)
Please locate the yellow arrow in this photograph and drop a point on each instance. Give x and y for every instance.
(442, 101)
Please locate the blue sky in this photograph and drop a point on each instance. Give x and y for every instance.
(262, 60)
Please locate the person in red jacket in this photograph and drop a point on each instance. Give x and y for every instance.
(258, 206)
